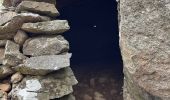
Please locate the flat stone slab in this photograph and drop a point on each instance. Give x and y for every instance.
(12, 55)
(45, 45)
(43, 65)
(9, 30)
(6, 17)
(38, 7)
(48, 27)
(51, 86)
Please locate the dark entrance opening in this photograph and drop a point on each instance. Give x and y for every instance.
(94, 42)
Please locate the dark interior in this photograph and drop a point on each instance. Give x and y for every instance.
(93, 37)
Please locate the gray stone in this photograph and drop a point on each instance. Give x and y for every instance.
(9, 30)
(38, 7)
(45, 45)
(20, 37)
(2, 50)
(43, 65)
(51, 86)
(6, 17)
(3, 43)
(12, 55)
(5, 71)
(48, 27)
(145, 47)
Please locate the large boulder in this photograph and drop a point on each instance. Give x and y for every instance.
(55, 85)
(38, 7)
(9, 30)
(145, 47)
(12, 55)
(48, 27)
(45, 45)
(43, 65)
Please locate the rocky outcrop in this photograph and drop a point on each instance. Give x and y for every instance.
(145, 46)
(34, 58)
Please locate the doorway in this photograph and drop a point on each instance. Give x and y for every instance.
(94, 43)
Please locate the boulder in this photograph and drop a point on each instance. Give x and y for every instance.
(9, 30)
(38, 7)
(12, 55)
(6, 17)
(51, 86)
(5, 71)
(48, 27)
(45, 45)
(20, 37)
(145, 47)
(43, 65)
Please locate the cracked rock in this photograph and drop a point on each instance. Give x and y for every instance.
(43, 65)
(45, 45)
(48, 27)
(12, 56)
(9, 30)
(38, 7)
(54, 85)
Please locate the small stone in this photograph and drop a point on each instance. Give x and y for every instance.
(45, 45)
(3, 95)
(43, 65)
(48, 27)
(87, 97)
(20, 37)
(38, 7)
(2, 50)
(17, 77)
(6, 17)
(5, 71)
(12, 56)
(51, 86)
(5, 87)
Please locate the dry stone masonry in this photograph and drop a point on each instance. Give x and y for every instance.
(145, 46)
(34, 58)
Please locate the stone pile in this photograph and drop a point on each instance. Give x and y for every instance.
(34, 58)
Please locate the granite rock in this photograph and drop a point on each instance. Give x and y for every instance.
(54, 85)
(43, 65)
(38, 7)
(48, 27)
(45, 45)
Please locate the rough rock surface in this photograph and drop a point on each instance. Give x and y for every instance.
(43, 65)
(48, 1)
(20, 37)
(6, 17)
(38, 7)
(2, 50)
(145, 46)
(9, 30)
(48, 27)
(5, 71)
(12, 55)
(45, 45)
(17, 77)
(52, 86)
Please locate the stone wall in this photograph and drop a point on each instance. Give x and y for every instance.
(145, 47)
(34, 58)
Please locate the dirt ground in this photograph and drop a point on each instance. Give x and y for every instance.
(98, 82)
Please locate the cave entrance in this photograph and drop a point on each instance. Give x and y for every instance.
(94, 42)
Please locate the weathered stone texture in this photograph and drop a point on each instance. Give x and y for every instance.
(45, 45)
(48, 27)
(145, 46)
(38, 7)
